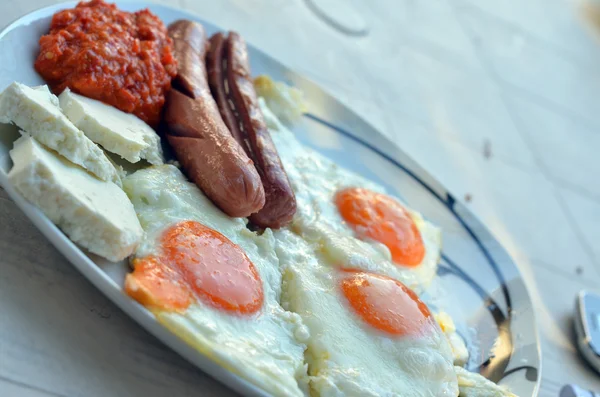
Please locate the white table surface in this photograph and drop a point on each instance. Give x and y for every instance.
(499, 100)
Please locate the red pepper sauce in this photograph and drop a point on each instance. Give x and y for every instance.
(120, 58)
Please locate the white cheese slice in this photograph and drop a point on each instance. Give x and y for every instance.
(116, 131)
(94, 214)
(37, 112)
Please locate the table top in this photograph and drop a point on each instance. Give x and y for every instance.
(496, 99)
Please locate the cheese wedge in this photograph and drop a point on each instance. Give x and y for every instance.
(37, 112)
(116, 131)
(94, 214)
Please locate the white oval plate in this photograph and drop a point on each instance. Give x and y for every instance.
(478, 283)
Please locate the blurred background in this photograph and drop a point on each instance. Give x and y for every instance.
(497, 99)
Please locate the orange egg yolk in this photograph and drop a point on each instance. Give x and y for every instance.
(196, 262)
(385, 304)
(381, 218)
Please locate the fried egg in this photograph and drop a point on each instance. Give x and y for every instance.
(214, 283)
(332, 198)
(370, 334)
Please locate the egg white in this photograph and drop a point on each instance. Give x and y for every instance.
(457, 344)
(315, 180)
(266, 349)
(346, 356)
(474, 385)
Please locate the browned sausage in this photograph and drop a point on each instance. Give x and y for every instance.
(191, 33)
(211, 157)
(232, 86)
(189, 47)
(216, 81)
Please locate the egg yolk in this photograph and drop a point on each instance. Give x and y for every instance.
(156, 285)
(384, 303)
(381, 218)
(196, 261)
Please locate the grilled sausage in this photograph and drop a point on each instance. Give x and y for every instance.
(189, 47)
(231, 84)
(209, 154)
(220, 88)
